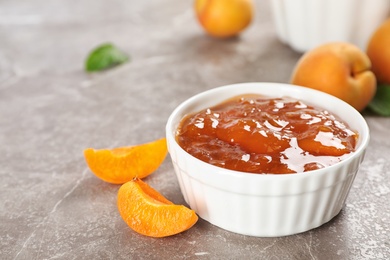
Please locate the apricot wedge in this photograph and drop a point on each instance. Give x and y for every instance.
(149, 213)
(120, 165)
(319, 149)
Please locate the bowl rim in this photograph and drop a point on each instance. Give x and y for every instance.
(171, 129)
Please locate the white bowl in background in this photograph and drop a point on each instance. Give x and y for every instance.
(305, 24)
(265, 205)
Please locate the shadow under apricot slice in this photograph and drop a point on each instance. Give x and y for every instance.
(149, 213)
(120, 165)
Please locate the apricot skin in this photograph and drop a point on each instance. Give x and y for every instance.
(224, 18)
(340, 69)
(378, 50)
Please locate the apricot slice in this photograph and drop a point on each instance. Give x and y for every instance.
(120, 165)
(315, 147)
(149, 213)
(251, 139)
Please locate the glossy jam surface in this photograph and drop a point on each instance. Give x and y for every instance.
(258, 134)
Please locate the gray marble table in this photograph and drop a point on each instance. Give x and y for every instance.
(53, 207)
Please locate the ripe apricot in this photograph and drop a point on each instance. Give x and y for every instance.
(122, 164)
(149, 213)
(340, 69)
(378, 50)
(224, 18)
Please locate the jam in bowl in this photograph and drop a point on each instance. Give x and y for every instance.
(253, 133)
(266, 159)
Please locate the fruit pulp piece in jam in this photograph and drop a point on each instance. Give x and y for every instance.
(258, 134)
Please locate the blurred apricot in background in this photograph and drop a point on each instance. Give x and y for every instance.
(378, 50)
(224, 18)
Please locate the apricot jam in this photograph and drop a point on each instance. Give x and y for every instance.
(258, 134)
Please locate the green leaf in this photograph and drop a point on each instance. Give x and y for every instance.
(381, 102)
(105, 56)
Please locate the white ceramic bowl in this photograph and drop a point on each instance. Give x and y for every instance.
(305, 24)
(265, 205)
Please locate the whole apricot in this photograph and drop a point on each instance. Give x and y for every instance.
(378, 50)
(340, 69)
(224, 18)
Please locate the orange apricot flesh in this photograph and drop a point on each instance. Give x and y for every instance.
(149, 213)
(120, 165)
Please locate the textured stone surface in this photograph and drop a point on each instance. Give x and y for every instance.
(52, 206)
